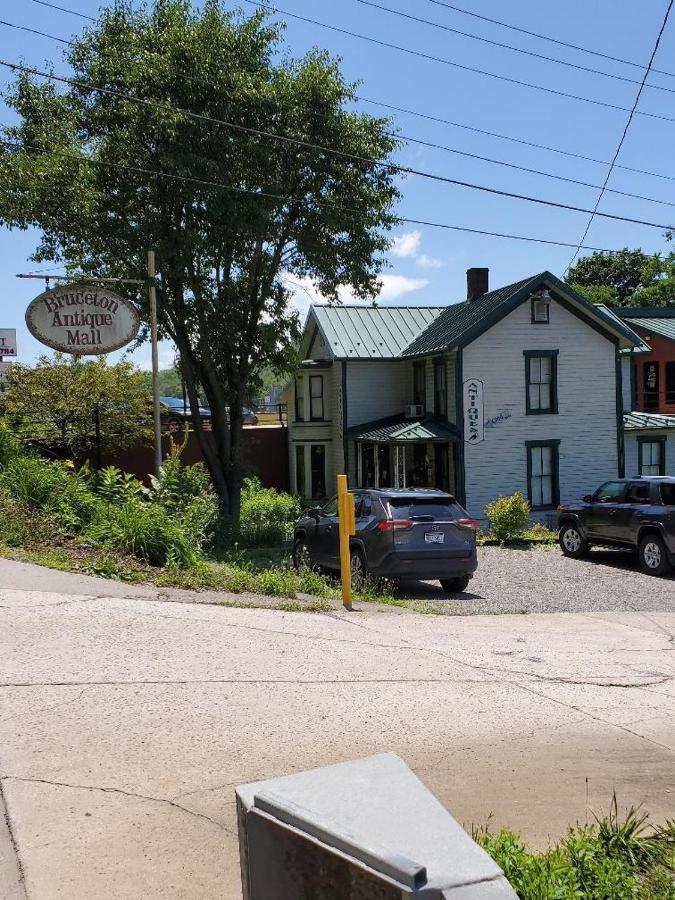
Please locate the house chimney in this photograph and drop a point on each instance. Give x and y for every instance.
(476, 283)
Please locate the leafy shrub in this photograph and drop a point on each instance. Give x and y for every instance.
(617, 857)
(267, 516)
(22, 525)
(145, 530)
(10, 447)
(115, 486)
(508, 516)
(51, 488)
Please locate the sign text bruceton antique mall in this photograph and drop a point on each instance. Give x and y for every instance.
(82, 319)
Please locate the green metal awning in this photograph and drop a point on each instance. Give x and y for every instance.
(641, 421)
(399, 429)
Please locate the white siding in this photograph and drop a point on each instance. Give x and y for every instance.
(325, 432)
(632, 455)
(377, 389)
(585, 424)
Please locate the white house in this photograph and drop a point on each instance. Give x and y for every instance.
(519, 388)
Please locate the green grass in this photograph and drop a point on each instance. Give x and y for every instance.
(617, 857)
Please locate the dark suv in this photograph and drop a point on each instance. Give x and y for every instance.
(421, 534)
(632, 512)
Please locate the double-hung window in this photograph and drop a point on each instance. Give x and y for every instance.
(541, 382)
(543, 480)
(440, 388)
(670, 382)
(652, 456)
(420, 383)
(299, 399)
(317, 466)
(316, 398)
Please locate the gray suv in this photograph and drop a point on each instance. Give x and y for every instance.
(637, 513)
(419, 534)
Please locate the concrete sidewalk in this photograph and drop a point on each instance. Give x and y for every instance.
(126, 721)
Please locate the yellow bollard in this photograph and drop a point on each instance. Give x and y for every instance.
(347, 526)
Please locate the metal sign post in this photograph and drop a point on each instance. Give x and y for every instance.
(347, 526)
(152, 292)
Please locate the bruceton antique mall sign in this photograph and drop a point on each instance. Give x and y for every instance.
(82, 319)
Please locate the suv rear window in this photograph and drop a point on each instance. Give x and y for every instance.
(668, 494)
(431, 508)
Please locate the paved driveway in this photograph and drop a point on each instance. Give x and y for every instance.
(126, 721)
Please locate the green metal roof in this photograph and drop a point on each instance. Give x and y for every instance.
(460, 319)
(638, 421)
(398, 429)
(462, 323)
(372, 332)
(656, 320)
(640, 345)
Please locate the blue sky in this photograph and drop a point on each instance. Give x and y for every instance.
(428, 265)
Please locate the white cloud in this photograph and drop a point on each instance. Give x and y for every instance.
(305, 291)
(394, 286)
(428, 262)
(407, 244)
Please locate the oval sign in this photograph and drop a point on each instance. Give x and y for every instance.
(82, 319)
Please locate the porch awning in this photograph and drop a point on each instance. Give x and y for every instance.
(642, 421)
(399, 429)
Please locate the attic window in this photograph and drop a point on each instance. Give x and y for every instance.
(540, 308)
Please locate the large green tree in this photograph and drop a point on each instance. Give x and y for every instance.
(625, 278)
(231, 211)
(69, 406)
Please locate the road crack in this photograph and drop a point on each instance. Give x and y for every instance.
(114, 790)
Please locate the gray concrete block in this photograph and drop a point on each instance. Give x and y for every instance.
(367, 828)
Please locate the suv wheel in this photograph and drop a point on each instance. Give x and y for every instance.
(653, 556)
(455, 585)
(358, 565)
(301, 557)
(571, 541)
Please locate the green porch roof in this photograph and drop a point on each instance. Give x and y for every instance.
(655, 320)
(641, 421)
(399, 429)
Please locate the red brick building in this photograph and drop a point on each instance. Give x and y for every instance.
(654, 373)
(650, 426)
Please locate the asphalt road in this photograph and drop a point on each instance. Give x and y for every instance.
(126, 721)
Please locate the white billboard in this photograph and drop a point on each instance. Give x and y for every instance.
(7, 342)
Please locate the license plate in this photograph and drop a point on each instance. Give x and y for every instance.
(434, 537)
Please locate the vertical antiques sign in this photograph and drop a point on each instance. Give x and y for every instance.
(82, 319)
(474, 415)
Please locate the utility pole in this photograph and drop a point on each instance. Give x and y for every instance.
(152, 292)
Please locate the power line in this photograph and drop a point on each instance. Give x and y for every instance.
(448, 62)
(510, 165)
(452, 124)
(623, 136)
(52, 37)
(308, 145)
(290, 200)
(485, 40)
(322, 148)
(542, 37)
(506, 137)
(64, 9)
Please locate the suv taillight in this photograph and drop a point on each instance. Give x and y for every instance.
(394, 524)
(467, 523)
